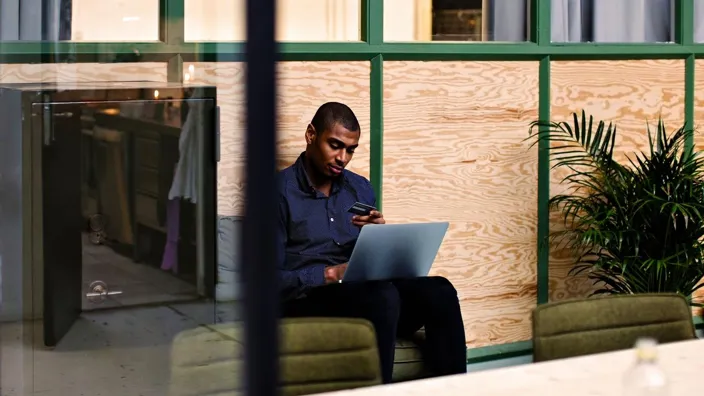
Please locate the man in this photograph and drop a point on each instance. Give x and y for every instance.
(317, 236)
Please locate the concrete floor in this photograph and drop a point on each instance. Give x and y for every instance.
(139, 283)
(118, 352)
(116, 347)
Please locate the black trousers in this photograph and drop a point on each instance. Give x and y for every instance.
(396, 308)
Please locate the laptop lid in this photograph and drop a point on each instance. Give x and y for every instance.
(395, 251)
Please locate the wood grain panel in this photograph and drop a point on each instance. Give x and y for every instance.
(82, 72)
(302, 88)
(699, 133)
(454, 151)
(629, 93)
(699, 105)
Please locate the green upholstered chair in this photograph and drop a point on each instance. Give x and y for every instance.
(594, 325)
(408, 361)
(316, 355)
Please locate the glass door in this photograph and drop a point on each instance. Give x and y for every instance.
(126, 260)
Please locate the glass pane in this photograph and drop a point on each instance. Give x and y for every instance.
(699, 21)
(79, 20)
(609, 21)
(456, 20)
(297, 20)
(109, 273)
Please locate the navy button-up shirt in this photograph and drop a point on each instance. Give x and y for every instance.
(314, 230)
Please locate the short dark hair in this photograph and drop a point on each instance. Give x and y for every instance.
(332, 113)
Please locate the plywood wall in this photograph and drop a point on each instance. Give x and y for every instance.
(454, 151)
(699, 132)
(303, 87)
(82, 72)
(630, 93)
(699, 105)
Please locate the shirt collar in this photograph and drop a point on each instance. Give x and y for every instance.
(305, 183)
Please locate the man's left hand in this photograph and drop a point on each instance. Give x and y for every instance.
(374, 217)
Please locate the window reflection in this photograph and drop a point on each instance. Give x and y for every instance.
(622, 21)
(297, 20)
(79, 20)
(625, 21)
(456, 20)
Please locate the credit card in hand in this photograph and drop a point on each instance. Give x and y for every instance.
(361, 209)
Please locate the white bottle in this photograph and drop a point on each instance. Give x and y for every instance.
(645, 378)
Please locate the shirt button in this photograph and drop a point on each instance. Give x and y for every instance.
(331, 219)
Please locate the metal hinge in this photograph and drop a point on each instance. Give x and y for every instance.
(47, 125)
(48, 119)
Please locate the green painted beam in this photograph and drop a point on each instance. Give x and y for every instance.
(234, 51)
(528, 50)
(689, 88)
(37, 48)
(172, 32)
(684, 21)
(542, 25)
(684, 34)
(171, 23)
(496, 352)
(163, 18)
(376, 156)
(174, 69)
(372, 21)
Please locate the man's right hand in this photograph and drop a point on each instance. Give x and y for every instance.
(333, 274)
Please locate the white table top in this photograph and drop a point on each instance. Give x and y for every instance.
(593, 375)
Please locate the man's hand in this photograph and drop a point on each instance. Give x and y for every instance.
(374, 217)
(333, 274)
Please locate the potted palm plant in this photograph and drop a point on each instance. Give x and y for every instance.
(636, 226)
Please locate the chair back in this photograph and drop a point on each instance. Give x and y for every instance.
(315, 355)
(594, 325)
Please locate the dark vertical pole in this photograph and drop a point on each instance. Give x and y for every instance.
(261, 297)
(541, 32)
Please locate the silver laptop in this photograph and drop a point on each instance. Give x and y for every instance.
(394, 251)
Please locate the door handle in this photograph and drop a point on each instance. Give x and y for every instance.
(99, 292)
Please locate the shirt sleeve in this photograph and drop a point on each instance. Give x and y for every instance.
(293, 282)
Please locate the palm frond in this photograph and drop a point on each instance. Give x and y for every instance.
(634, 227)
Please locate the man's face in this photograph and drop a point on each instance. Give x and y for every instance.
(330, 151)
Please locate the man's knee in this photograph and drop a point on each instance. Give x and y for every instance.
(441, 284)
(383, 294)
(440, 281)
(381, 304)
